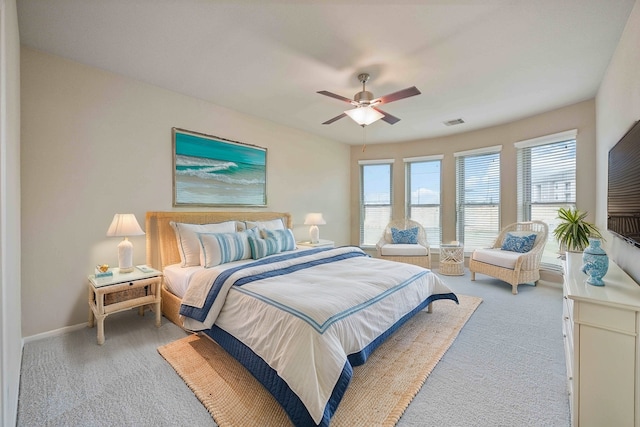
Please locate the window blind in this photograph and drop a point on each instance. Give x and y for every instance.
(375, 199)
(423, 195)
(546, 169)
(478, 196)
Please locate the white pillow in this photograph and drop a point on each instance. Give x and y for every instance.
(220, 248)
(188, 242)
(274, 224)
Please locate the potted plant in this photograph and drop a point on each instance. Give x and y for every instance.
(573, 232)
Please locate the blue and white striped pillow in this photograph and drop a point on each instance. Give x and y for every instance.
(285, 237)
(260, 248)
(220, 248)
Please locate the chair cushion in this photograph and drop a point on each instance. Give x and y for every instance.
(516, 242)
(403, 249)
(408, 236)
(506, 259)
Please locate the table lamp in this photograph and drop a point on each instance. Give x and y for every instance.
(124, 225)
(314, 220)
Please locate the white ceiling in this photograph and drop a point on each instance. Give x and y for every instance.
(488, 62)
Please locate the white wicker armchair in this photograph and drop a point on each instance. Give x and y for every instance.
(512, 267)
(417, 254)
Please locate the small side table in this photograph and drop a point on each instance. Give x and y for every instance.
(321, 244)
(127, 290)
(451, 260)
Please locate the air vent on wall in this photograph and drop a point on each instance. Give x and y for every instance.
(453, 122)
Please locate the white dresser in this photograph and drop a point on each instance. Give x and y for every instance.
(601, 327)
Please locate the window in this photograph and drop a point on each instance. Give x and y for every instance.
(375, 199)
(423, 194)
(547, 182)
(478, 196)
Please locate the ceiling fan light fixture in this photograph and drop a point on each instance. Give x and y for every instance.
(364, 116)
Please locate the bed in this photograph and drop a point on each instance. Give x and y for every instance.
(298, 320)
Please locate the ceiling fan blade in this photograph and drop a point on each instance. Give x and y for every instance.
(336, 118)
(395, 96)
(333, 95)
(387, 117)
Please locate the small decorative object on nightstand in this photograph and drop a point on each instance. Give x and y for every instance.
(314, 220)
(321, 243)
(124, 225)
(123, 291)
(452, 259)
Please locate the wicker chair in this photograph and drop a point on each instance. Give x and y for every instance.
(512, 267)
(417, 254)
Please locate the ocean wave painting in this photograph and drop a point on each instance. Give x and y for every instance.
(214, 171)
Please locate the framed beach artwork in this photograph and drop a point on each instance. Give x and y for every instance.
(212, 171)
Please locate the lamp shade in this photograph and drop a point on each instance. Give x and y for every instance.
(364, 116)
(124, 225)
(314, 218)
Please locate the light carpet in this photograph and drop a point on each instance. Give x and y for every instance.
(379, 392)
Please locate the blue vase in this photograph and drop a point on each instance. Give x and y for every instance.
(595, 263)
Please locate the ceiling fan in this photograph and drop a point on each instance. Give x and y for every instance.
(366, 111)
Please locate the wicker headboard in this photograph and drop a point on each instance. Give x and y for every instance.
(162, 249)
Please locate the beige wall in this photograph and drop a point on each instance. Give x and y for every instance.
(580, 116)
(617, 109)
(96, 143)
(10, 325)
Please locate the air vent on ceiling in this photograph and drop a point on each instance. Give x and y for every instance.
(453, 122)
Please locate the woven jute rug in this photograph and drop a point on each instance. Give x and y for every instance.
(379, 392)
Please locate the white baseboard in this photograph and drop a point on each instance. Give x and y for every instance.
(54, 333)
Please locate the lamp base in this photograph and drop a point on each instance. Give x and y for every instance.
(314, 234)
(125, 256)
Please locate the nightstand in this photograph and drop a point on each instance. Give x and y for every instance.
(321, 244)
(123, 291)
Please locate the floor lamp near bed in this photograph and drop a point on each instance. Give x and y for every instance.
(125, 225)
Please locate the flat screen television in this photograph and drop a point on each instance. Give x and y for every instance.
(623, 199)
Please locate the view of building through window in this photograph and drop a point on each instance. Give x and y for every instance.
(423, 197)
(478, 199)
(375, 201)
(546, 182)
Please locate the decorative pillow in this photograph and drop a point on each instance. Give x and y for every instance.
(515, 243)
(284, 237)
(260, 248)
(409, 235)
(274, 224)
(188, 242)
(220, 248)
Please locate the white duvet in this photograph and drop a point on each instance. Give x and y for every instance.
(310, 312)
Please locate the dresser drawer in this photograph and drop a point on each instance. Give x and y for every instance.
(567, 313)
(605, 317)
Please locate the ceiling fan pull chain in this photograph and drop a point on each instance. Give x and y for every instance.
(364, 137)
